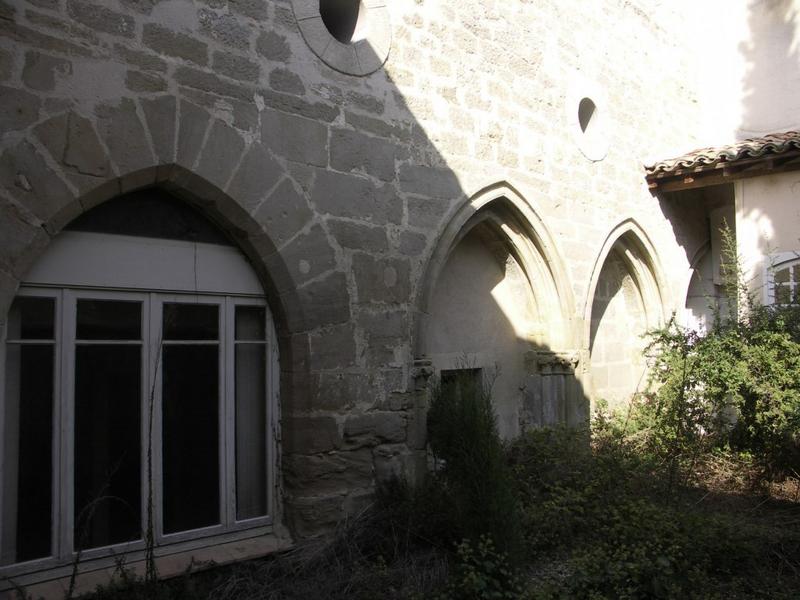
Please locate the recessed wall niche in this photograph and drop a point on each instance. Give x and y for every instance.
(350, 36)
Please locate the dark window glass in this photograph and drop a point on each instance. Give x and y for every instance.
(190, 437)
(28, 436)
(191, 321)
(251, 431)
(31, 318)
(250, 322)
(150, 213)
(107, 445)
(109, 320)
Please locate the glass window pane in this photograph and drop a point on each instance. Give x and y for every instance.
(782, 294)
(190, 437)
(191, 321)
(107, 445)
(251, 431)
(782, 276)
(796, 273)
(250, 322)
(109, 320)
(31, 318)
(28, 446)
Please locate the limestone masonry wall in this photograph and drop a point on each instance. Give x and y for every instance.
(338, 187)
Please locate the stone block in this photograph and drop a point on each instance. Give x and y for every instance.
(141, 6)
(124, 135)
(295, 138)
(31, 37)
(384, 280)
(22, 240)
(365, 102)
(18, 109)
(143, 60)
(375, 428)
(7, 11)
(354, 151)
(6, 64)
(25, 175)
(310, 435)
(235, 67)
(314, 515)
(72, 141)
(191, 132)
(255, 9)
(329, 473)
(380, 127)
(426, 213)
(225, 29)
(309, 255)
(412, 244)
(283, 213)
(319, 111)
(390, 462)
(256, 175)
(384, 325)
(99, 18)
(137, 81)
(284, 80)
(221, 153)
(41, 71)
(174, 43)
(325, 301)
(273, 46)
(429, 182)
(355, 236)
(355, 197)
(339, 391)
(208, 82)
(8, 289)
(159, 113)
(332, 348)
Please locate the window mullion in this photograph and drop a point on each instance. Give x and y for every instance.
(65, 409)
(228, 420)
(155, 388)
(272, 414)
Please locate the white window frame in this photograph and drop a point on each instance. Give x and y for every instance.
(62, 514)
(773, 263)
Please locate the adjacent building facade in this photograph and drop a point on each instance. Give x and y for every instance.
(240, 238)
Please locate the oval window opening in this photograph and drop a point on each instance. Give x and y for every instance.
(586, 110)
(346, 20)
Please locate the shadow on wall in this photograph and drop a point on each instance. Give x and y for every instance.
(496, 302)
(334, 192)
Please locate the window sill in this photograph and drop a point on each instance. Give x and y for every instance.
(171, 561)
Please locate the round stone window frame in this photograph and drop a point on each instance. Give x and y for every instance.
(593, 139)
(359, 58)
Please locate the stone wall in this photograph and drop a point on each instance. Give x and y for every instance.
(339, 187)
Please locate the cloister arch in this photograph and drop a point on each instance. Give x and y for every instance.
(625, 299)
(495, 292)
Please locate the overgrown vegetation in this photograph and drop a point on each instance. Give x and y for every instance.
(692, 491)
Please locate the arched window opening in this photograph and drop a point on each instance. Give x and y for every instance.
(141, 334)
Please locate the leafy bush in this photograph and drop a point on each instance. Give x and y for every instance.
(462, 432)
(735, 386)
(482, 573)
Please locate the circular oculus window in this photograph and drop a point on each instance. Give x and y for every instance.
(586, 118)
(350, 36)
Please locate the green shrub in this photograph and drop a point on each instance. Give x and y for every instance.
(463, 437)
(482, 573)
